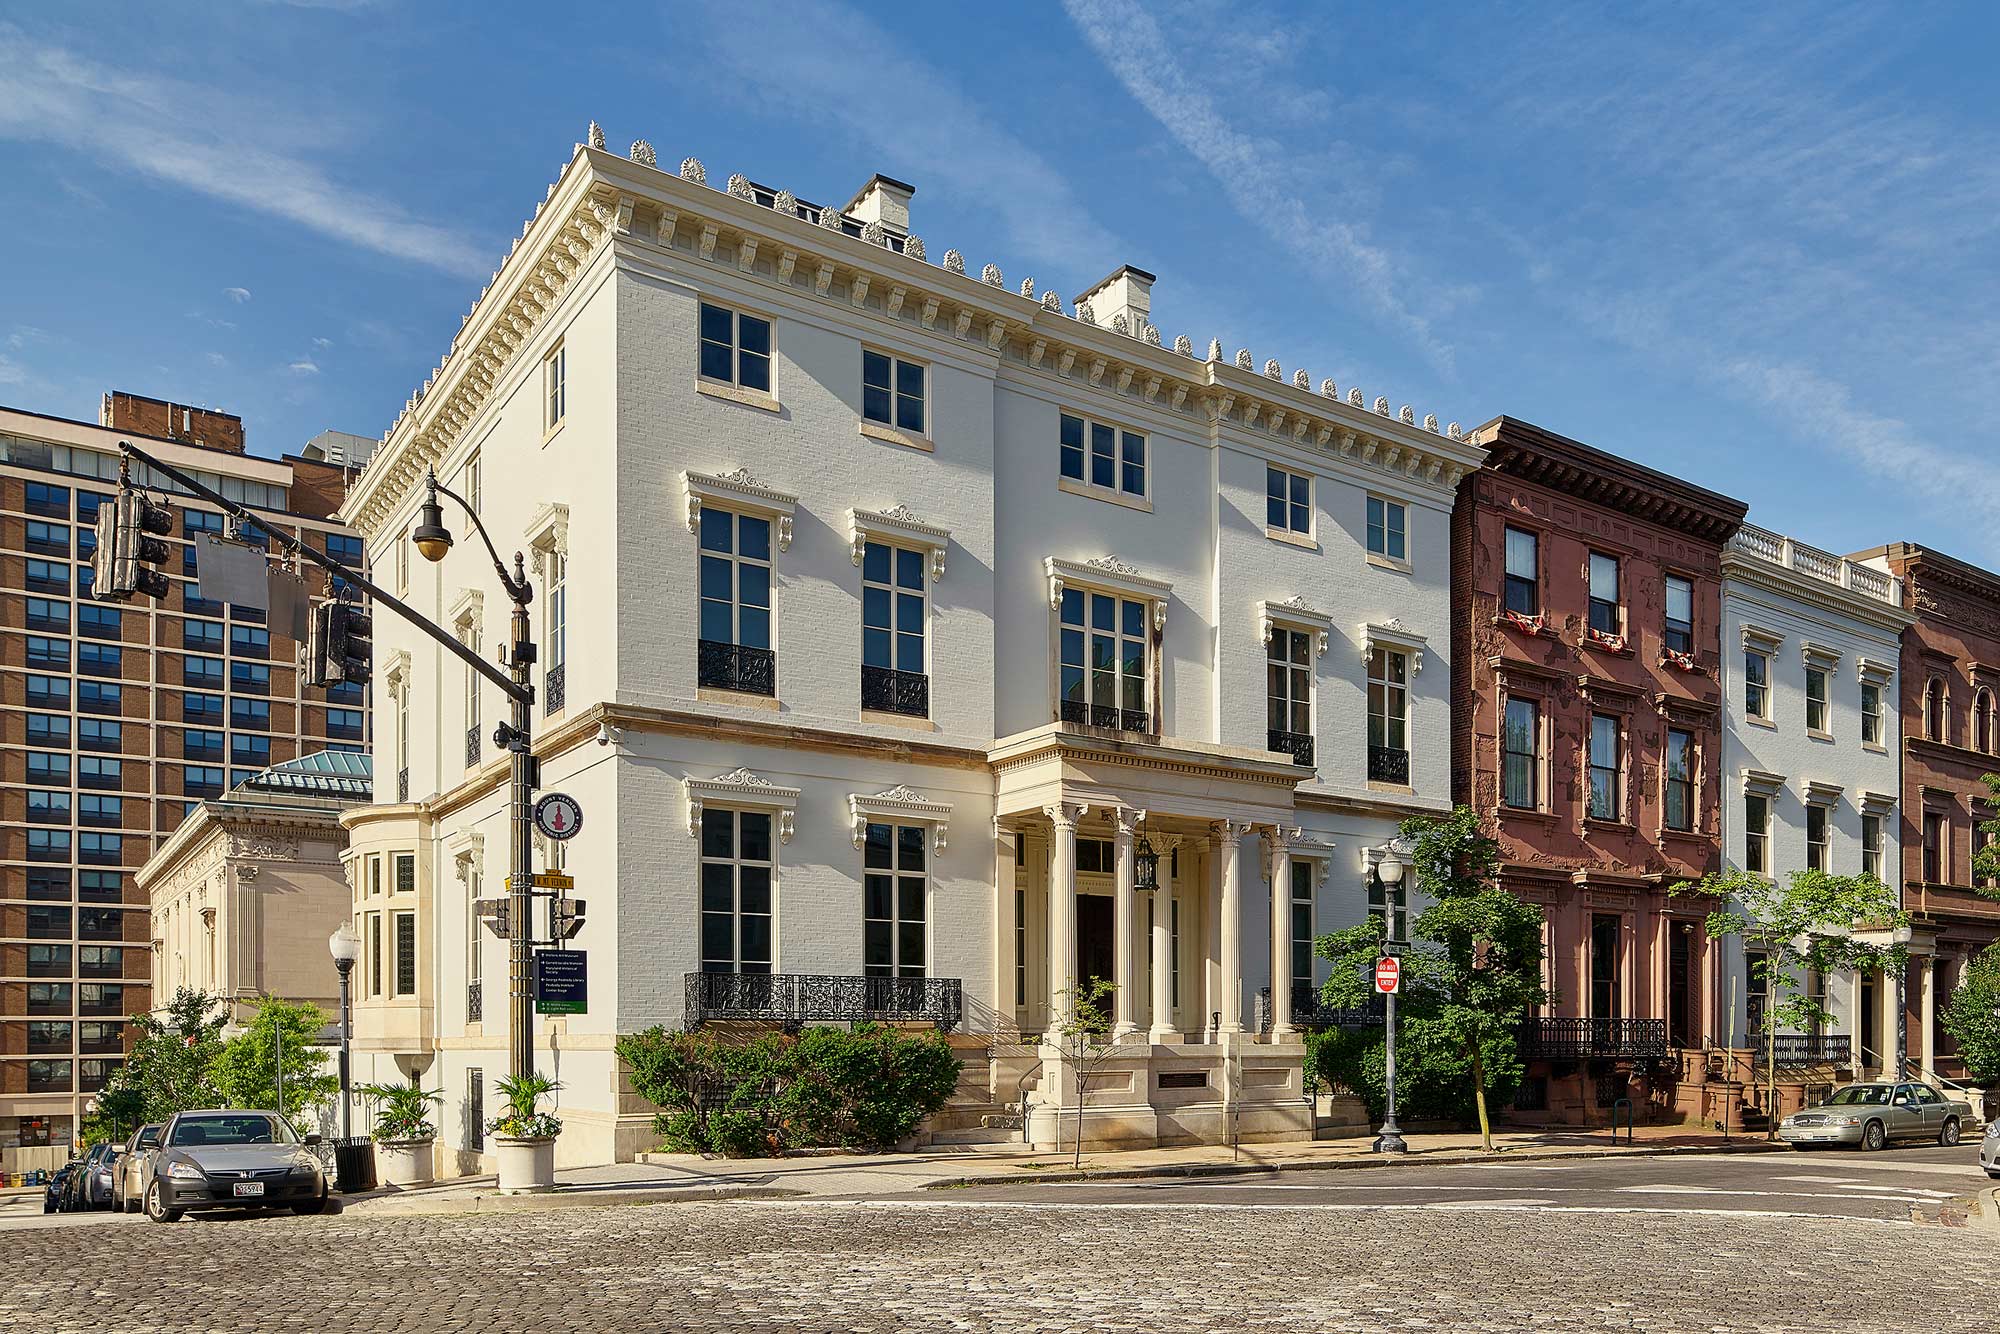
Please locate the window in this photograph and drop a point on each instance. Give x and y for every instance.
(49, 538)
(374, 954)
(44, 652)
(1115, 459)
(48, 845)
(1680, 615)
(1871, 845)
(1288, 502)
(1606, 767)
(1289, 669)
(403, 562)
(1757, 833)
(892, 391)
(250, 750)
(1523, 591)
(1388, 529)
(93, 771)
(555, 391)
(250, 641)
(48, 692)
(475, 966)
(99, 622)
(555, 618)
(48, 729)
(348, 550)
(374, 876)
(1815, 699)
(1871, 713)
(893, 894)
(893, 619)
(406, 953)
(207, 636)
(1816, 851)
(201, 673)
(1103, 667)
(1606, 931)
(48, 767)
(1304, 871)
(475, 1110)
(250, 677)
(46, 615)
(736, 602)
(99, 659)
(343, 722)
(736, 898)
(1680, 780)
(1934, 703)
(100, 810)
(50, 500)
(97, 734)
(1605, 615)
(735, 348)
(48, 807)
(1388, 716)
(468, 634)
(100, 849)
(99, 887)
(48, 576)
(1936, 850)
(200, 780)
(254, 713)
(97, 697)
(1982, 722)
(1757, 684)
(405, 873)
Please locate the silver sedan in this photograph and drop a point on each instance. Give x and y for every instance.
(1871, 1115)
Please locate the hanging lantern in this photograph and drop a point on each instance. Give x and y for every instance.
(1147, 865)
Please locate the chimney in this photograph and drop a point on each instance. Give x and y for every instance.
(1128, 292)
(885, 200)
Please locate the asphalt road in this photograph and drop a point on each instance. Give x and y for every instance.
(1831, 1183)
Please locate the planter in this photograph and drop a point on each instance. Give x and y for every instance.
(527, 1166)
(405, 1162)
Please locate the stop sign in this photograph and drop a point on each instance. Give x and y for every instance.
(1388, 975)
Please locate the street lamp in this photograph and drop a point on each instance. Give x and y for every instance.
(433, 539)
(1901, 937)
(345, 947)
(1389, 870)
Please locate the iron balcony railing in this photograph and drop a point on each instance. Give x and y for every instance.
(890, 691)
(794, 999)
(1588, 1039)
(402, 785)
(1388, 764)
(754, 671)
(472, 745)
(1298, 745)
(475, 1002)
(1106, 715)
(553, 684)
(1804, 1049)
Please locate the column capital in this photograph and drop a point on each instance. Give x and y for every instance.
(1229, 833)
(1065, 814)
(1126, 820)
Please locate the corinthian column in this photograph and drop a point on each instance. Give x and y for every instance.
(1279, 842)
(1229, 847)
(1124, 922)
(1062, 909)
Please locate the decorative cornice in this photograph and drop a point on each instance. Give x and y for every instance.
(899, 803)
(1521, 449)
(899, 525)
(468, 608)
(548, 531)
(739, 490)
(1111, 575)
(740, 787)
(1821, 793)
(1294, 611)
(1393, 634)
(1762, 782)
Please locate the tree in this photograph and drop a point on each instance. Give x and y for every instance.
(245, 1071)
(1803, 926)
(1473, 972)
(167, 1070)
(1986, 859)
(1084, 1038)
(1972, 1015)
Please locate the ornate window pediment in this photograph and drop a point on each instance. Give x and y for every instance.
(467, 610)
(1271, 615)
(1393, 634)
(1762, 782)
(1820, 656)
(547, 531)
(1877, 803)
(1111, 575)
(740, 788)
(742, 492)
(1879, 673)
(898, 527)
(1822, 794)
(899, 804)
(1760, 639)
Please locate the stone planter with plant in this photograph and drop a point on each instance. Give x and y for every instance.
(404, 1136)
(524, 1138)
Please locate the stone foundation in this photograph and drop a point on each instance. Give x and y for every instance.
(1140, 1096)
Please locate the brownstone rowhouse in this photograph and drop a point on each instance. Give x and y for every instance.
(1588, 729)
(1951, 738)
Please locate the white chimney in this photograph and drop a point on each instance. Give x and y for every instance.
(1128, 292)
(885, 200)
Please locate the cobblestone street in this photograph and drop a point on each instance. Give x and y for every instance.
(979, 1266)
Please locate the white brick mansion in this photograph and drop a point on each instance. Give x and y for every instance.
(947, 641)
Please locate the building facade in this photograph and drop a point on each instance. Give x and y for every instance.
(1951, 739)
(1587, 673)
(1811, 768)
(119, 719)
(915, 645)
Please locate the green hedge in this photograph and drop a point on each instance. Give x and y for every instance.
(826, 1088)
(1433, 1073)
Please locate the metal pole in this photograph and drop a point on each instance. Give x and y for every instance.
(278, 1041)
(346, 1039)
(520, 900)
(1902, 1019)
(1390, 1139)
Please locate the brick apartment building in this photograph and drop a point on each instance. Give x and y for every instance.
(117, 719)
(1586, 664)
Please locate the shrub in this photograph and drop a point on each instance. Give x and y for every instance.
(1433, 1072)
(827, 1088)
(402, 1111)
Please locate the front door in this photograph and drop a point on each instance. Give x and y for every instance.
(1680, 999)
(1093, 938)
(1870, 1056)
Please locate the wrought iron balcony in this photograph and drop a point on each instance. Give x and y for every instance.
(892, 691)
(1107, 716)
(1298, 745)
(472, 745)
(1588, 1039)
(1310, 1012)
(552, 688)
(754, 671)
(793, 999)
(1388, 764)
(1804, 1049)
(475, 1002)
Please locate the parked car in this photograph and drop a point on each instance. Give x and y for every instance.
(231, 1158)
(92, 1186)
(127, 1187)
(55, 1191)
(1989, 1149)
(1871, 1115)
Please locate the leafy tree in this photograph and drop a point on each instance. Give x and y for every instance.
(1972, 1015)
(1084, 1037)
(1803, 926)
(1473, 972)
(245, 1071)
(1986, 860)
(167, 1070)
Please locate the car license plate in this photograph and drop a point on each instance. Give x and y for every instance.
(249, 1188)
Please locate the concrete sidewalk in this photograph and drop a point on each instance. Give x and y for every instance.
(665, 1177)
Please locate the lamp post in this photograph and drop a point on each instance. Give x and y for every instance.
(345, 947)
(1389, 870)
(1901, 938)
(433, 539)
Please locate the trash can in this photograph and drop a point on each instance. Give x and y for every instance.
(354, 1165)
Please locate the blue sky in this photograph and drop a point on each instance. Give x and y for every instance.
(1758, 253)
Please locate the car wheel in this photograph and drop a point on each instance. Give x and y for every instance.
(310, 1206)
(1873, 1136)
(1949, 1135)
(156, 1205)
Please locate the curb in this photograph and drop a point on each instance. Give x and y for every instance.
(1455, 1159)
(573, 1198)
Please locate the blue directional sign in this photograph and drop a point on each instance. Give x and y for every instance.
(562, 982)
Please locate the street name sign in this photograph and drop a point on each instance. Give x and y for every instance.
(562, 982)
(1389, 976)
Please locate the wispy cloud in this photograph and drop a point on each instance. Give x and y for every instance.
(1260, 178)
(237, 294)
(322, 343)
(200, 140)
(304, 366)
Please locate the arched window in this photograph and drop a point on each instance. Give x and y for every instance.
(1934, 710)
(1982, 721)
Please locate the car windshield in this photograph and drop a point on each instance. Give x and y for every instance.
(231, 1128)
(1855, 1095)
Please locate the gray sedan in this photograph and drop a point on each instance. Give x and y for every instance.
(231, 1159)
(1871, 1115)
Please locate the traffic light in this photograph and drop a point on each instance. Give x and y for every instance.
(339, 650)
(129, 529)
(565, 918)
